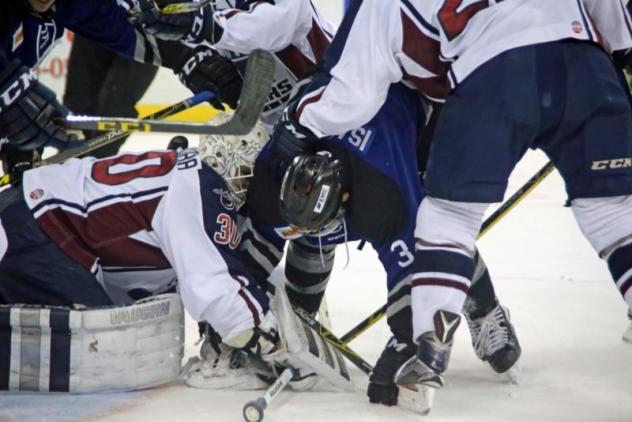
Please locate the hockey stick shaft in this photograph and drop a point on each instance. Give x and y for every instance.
(108, 138)
(254, 93)
(490, 222)
(253, 411)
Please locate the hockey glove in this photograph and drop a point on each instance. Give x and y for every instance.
(28, 110)
(194, 27)
(206, 70)
(623, 59)
(15, 162)
(382, 388)
(288, 140)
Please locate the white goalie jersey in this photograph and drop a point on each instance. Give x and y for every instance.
(141, 221)
(436, 44)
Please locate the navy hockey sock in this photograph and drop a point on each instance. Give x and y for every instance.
(620, 265)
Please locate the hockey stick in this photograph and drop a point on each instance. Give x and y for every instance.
(254, 93)
(179, 8)
(108, 138)
(490, 222)
(253, 410)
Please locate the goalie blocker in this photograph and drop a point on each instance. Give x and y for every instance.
(58, 349)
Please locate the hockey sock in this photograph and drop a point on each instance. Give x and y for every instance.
(481, 298)
(620, 265)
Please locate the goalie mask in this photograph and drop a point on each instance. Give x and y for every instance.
(312, 192)
(232, 156)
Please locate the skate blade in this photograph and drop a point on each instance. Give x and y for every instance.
(513, 375)
(418, 400)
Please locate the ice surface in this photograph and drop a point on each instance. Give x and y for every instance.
(567, 313)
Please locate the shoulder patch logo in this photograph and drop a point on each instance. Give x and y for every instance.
(46, 34)
(36, 194)
(18, 38)
(577, 27)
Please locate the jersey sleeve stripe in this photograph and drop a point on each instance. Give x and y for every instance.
(410, 10)
(587, 23)
(626, 17)
(249, 303)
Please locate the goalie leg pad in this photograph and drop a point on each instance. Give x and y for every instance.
(303, 347)
(57, 349)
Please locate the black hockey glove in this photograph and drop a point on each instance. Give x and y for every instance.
(623, 59)
(288, 140)
(382, 388)
(193, 27)
(28, 110)
(15, 162)
(206, 70)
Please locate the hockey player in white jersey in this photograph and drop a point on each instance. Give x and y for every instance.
(514, 75)
(294, 30)
(94, 233)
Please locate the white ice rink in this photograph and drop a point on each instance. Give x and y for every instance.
(567, 313)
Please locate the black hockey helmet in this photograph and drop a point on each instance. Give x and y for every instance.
(311, 193)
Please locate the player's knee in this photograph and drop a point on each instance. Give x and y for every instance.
(442, 222)
(605, 222)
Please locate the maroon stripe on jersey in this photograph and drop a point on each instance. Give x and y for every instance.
(58, 226)
(104, 231)
(440, 282)
(305, 103)
(626, 286)
(251, 306)
(600, 39)
(422, 49)
(318, 41)
(438, 87)
(296, 62)
(129, 252)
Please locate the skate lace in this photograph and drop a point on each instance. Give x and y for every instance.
(490, 332)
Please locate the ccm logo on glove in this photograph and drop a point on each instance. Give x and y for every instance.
(16, 89)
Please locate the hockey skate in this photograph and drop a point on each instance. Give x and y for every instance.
(495, 341)
(627, 336)
(424, 371)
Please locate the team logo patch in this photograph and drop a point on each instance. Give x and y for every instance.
(36, 194)
(45, 38)
(225, 198)
(577, 27)
(18, 38)
(288, 232)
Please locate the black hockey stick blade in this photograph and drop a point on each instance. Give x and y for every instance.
(254, 93)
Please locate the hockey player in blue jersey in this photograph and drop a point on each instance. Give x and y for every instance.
(508, 87)
(364, 185)
(28, 31)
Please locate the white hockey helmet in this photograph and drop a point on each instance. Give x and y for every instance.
(232, 156)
